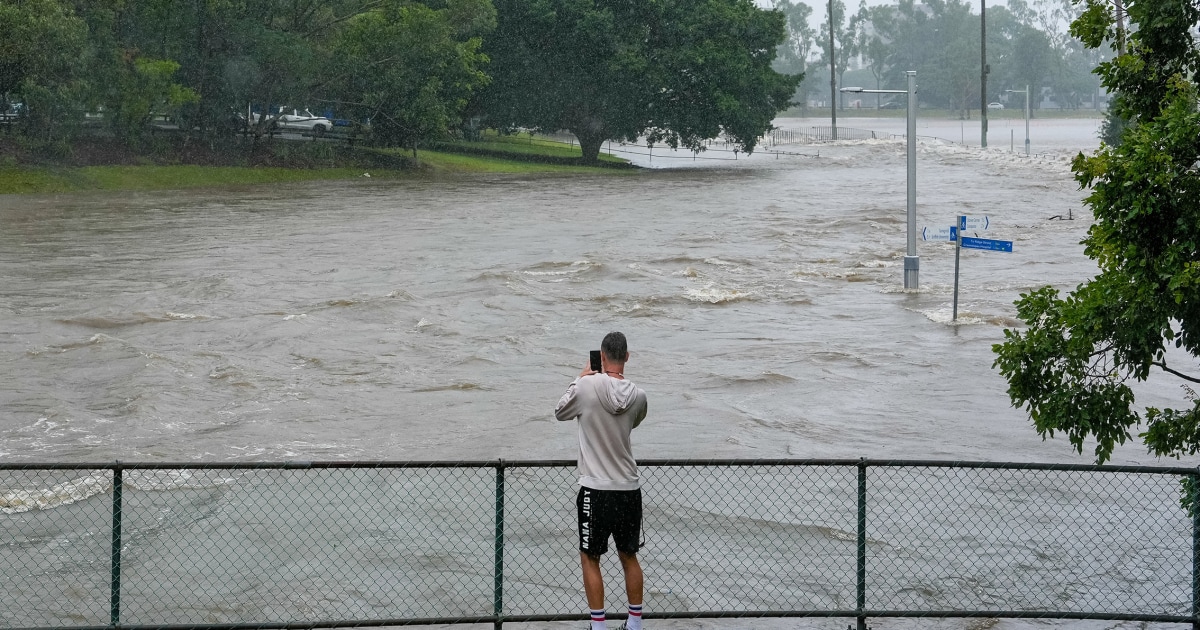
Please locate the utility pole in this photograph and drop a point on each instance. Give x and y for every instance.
(832, 75)
(983, 72)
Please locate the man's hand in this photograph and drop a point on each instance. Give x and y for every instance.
(587, 370)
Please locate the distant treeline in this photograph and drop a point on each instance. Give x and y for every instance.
(401, 72)
(1027, 44)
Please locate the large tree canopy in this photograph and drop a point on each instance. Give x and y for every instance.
(410, 68)
(677, 72)
(41, 60)
(1073, 366)
(409, 65)
(799, 42)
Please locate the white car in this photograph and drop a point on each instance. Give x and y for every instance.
(301, 120)
(995, 105)
(12, 111)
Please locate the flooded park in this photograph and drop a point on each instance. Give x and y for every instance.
(441, 318)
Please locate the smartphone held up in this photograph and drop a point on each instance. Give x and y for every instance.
(595, 358)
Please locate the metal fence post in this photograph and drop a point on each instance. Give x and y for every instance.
(114, 612)
(498, 591)
(1195, 509)
(861, 586)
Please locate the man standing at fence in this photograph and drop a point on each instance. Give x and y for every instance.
(609, 503)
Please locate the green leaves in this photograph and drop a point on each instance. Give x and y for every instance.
(1095, 25)
(1071, 367)
(676, 72)
(208, 61)
(409, 69)
(144, 88)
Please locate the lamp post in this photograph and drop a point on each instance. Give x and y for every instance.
(912, 263)
(1026, 93)
(832, 76)
(983, 72)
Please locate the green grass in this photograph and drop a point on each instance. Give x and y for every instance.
(158, 177)
(15, 179)
(445, 162)
(18, 180)
(526, 144)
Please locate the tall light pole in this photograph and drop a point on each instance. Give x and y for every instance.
(983, 72)
(912, 262)
(832, 75)
(1026, 93)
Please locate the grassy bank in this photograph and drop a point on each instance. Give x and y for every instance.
(287, 162)
(525, 146)
(46, 179)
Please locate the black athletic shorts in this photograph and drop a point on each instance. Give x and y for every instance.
(604, 513)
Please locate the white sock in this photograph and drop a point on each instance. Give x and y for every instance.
(635, 617)
(598, 620)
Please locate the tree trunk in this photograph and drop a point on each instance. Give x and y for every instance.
(590, 143)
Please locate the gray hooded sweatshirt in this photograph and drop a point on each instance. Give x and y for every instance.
(608, 409)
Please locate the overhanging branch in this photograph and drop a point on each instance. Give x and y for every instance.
(1163, 366)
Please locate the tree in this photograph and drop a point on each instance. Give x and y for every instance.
(144, 88)
(845, 43)
(1072, 367)
(910, 34)
(675, 71)
(792, 55)
(412, 69)
(872, 43)
(1033, 63)
(954, 76)
(40, 62)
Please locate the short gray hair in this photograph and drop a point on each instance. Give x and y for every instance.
(614, 347)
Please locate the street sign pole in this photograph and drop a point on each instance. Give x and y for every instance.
(960, 241)
(957, 252)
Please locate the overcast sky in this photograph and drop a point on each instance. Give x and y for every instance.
(820, 7)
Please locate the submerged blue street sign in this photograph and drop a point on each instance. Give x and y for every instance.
(939, 234)
(990, 244)
(973, 223)
(986, 243)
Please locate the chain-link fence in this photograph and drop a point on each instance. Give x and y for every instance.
(335, 544)
(813, 135)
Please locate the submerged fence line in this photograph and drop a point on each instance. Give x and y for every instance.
(810, 135)
(339, 544)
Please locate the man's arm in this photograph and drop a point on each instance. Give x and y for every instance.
(568, 406)
(641, 412)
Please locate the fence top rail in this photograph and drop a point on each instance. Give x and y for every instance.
(559, 463)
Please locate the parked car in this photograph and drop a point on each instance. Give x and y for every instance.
(893, 105)
(11, 111)
(301, 120)
(995, 105)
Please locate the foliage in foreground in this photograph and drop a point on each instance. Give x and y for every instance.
(1072, 368)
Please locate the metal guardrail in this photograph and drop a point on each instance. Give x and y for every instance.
(231, 546)
(818, 134)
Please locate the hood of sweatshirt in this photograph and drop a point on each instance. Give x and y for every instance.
(616, 395)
